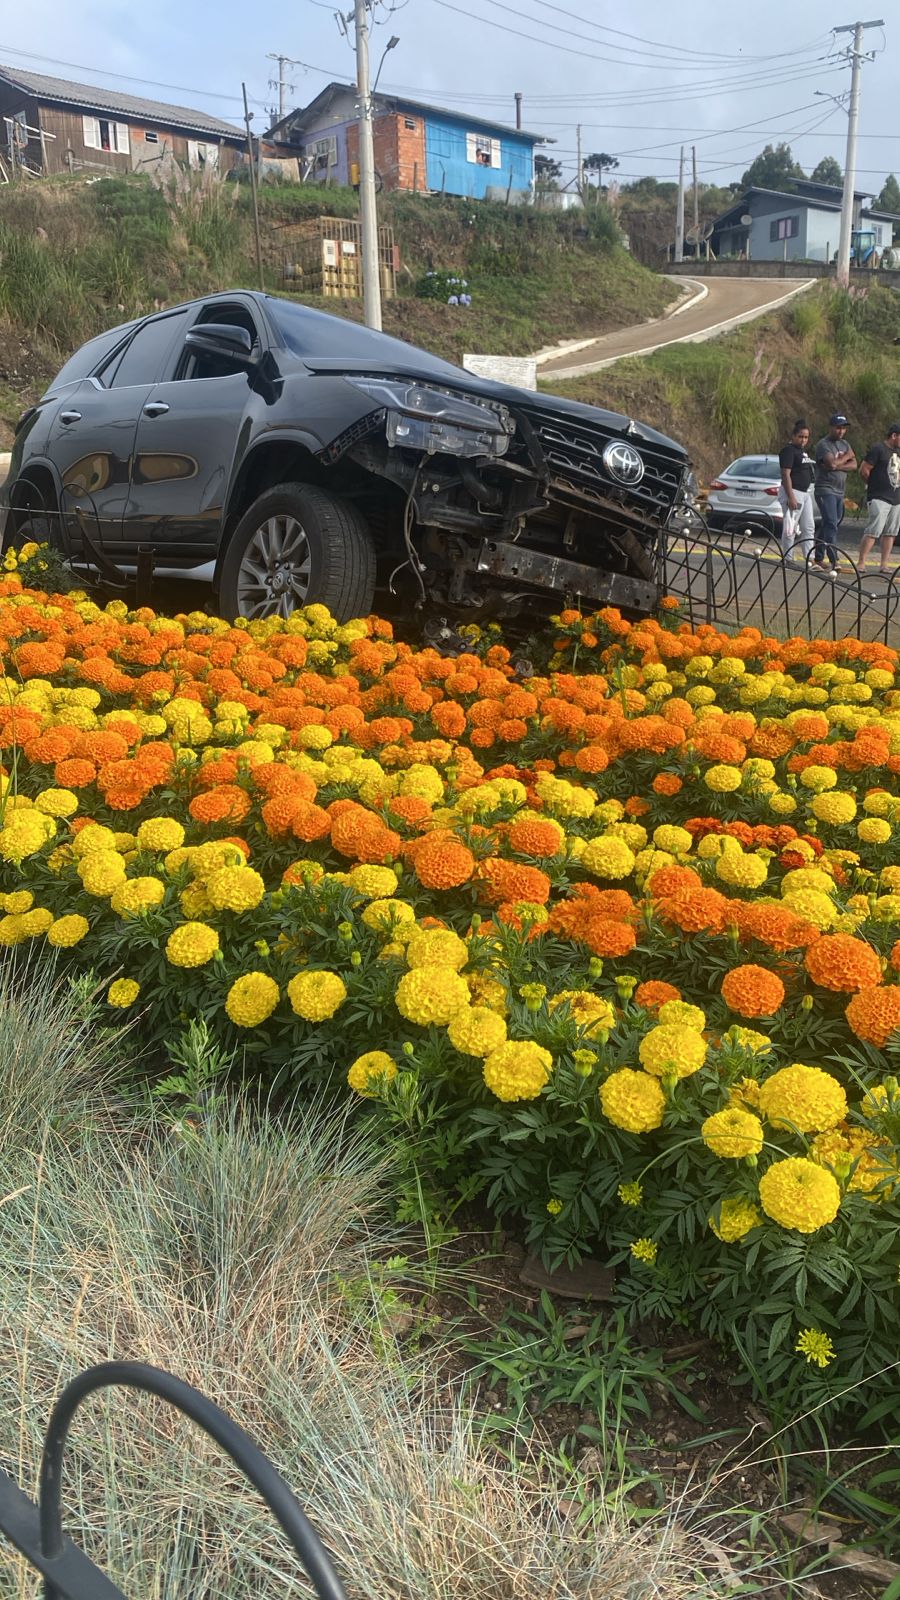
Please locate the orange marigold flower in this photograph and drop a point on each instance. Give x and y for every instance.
(894, 957)
(874, 1014)
(74, 773)
(666, 783)
(511, 880)
(226, 804)
(654, 993)
(443, 863)
(838, 961)
(533, 838)
(696, 910)
(752, 991)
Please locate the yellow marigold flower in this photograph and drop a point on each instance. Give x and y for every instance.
(630, 1194)
(35, 922)
(24, 835)
(57, 802)
(517, 1070)
(67, 931)
(101, 872)
(209, 858)
(723, 779)
(797, 1194)
(644, 1249)
(375, 883)
(818, 779)
(18, 902)
(805, 1098)
(747, 1039)
(487, 991)
(160, 833)
(733, 1134)
(672, 1050)
(11, 931)
(235, 889)
(815, 1346)
(384, 915)
(736, 1217)
(554, 1207)
(814, 907)
(682, 1011)
(91, 838)
(784, 805)
(370, 1071)
(476, 1031)
(136, 895)
(854, 1156)
(836, 809)
(437, 947)
(592, 1013)
(879, 804)
(252, 999)
(668, 837)
(431, 993)
(742, 871)
(316, 995)
(123, 992)
(191, 945)
(632, 1100)
(874, 830)
(608, 857)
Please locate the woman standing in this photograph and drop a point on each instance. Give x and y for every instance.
(798, 525)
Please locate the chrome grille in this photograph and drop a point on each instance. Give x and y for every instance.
(574, 447)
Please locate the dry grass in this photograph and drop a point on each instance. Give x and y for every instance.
(224, 1256)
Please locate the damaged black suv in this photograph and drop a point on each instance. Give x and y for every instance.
(292, 457)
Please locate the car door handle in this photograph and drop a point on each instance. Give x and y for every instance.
(70, 416)
(155, 408)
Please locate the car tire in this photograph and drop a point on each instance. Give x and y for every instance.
(296, 546)
(34, 528)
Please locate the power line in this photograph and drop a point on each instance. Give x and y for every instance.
(710, 55)
(124, 77)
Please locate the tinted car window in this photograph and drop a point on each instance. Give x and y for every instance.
(145, 354)
(314, 333)
(202, 364)
(753, 467)
(90, 356)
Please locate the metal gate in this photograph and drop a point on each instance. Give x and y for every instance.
(737, 578)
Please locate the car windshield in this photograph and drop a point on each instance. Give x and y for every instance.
(315, 333)
(753, 467)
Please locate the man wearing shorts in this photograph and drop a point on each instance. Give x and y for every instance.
(881, 474)
(798, 523)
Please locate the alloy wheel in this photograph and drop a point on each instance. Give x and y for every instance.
(274, 574)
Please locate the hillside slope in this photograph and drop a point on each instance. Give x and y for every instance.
(741, 392)
(77, 256)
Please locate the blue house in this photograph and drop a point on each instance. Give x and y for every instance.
(419, 147)
(801, 225)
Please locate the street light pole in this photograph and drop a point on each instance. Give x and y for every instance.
(368, 208)
(855, 53)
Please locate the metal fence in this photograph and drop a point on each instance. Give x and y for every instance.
(37, 1530)
(738, 577)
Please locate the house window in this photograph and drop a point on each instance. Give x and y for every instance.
(101, 134)
(784, 228)
(410, 123)
(483, 150)
(151, 136)
(202, 155)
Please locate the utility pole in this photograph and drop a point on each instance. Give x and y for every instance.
(679, 213)
(280, 83)
(855, 56)
(696, 200)
(580, 181)
(253, 177)
(368, 207)
(518, 108)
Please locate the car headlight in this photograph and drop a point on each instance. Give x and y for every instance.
(436, 420)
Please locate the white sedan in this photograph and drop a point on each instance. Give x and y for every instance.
(749, 484)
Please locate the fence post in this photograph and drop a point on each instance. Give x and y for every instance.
(710, 585)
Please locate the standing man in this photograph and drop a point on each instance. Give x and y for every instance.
(798, 523)
(881, 474)
(834, 459)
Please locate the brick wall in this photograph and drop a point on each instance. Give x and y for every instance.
(399, 150)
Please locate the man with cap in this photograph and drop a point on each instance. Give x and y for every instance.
(880, 472)
(834, 459)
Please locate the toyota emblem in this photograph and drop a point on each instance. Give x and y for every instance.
(622, 462)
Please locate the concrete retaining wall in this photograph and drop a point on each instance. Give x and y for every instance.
(776, 269)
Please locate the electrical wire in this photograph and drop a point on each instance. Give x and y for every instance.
(124, 77)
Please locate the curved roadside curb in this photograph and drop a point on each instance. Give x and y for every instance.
(701, 335)
(570, 347)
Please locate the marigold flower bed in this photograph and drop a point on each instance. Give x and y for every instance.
(614, 944)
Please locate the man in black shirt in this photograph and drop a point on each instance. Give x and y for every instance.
(881, 473)
(798, 524)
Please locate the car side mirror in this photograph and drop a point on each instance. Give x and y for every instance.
(221, 339)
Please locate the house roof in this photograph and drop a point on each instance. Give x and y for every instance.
(86, 96)
(811, 202)
(301, 118)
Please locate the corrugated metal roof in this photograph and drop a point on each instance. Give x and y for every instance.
(87, 97)
(398, 102)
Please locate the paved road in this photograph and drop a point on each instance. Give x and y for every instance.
(728, 300)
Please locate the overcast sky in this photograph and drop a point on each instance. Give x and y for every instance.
(701, 72)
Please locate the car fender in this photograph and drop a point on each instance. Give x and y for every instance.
(243, 460)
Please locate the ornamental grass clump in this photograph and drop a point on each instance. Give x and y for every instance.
(613, 918)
